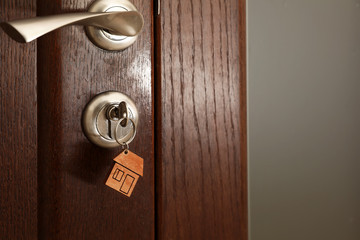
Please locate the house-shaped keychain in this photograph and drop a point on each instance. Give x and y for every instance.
(126, 172)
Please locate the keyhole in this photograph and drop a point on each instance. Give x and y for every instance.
(114, 113)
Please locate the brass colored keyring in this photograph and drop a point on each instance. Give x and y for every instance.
(125, 144)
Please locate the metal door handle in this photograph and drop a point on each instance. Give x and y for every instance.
(111, 17)
(119, 23)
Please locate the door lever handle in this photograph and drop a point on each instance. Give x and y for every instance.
(119, 23)
(109, 17)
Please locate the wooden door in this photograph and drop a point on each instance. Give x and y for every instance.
(201, 150)
(186, 74)
(53, 177)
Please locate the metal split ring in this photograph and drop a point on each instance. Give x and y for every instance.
(125, 144)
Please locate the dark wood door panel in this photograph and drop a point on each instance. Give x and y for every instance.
(74, 201)
(18, 130)
(202, 147)
(54, 185)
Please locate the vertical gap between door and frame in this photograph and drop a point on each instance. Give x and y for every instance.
(243, 120)
(157, 114)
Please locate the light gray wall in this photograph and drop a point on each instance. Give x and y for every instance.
(304, 119)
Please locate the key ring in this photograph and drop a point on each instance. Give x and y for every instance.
(125, 144)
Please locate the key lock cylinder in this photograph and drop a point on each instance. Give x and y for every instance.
(110, 119)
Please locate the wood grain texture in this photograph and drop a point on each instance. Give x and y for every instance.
(18, 129)
(74, 202)
(201, 152)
